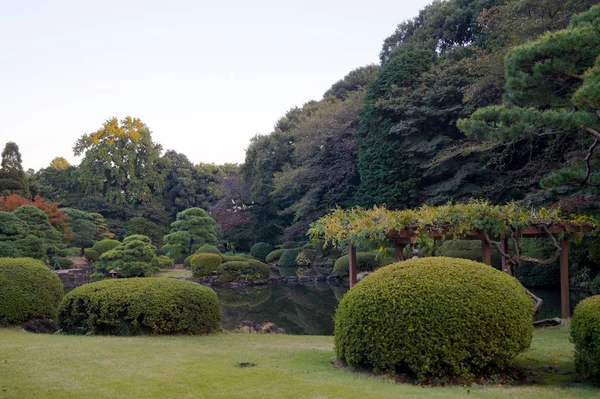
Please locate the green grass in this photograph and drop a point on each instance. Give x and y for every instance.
(61, 366)
(173, 273)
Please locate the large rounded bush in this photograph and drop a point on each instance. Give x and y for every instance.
(91, 255)
(288, 257)
(585, 334)
(249, 270)
(233, 258)
(274, 256)
(366, 262)
(105, 245)
(140, 306)
(28, 290)
(437, 317)
(204, 264)
(260, 250)
(208, 249)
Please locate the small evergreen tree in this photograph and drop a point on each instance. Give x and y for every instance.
(192, 228)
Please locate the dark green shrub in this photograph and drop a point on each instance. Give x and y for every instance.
(129, 257)
(204, 264)
(140, 306)
(135, 269)
(437, 317)
(585, 335)
(91, 255)
(28, 290)
(274, 256)
(137, 237)
(72, 252)
(105, 245)
(208, 249)
(186, 261)
(292, 244)
(595, 285)
(61, 263)
(288, 257)
(229, 258)
(249, 270)
(260, 250)
(533, 275)
(365, 262)
(306, 257)
(162, 262)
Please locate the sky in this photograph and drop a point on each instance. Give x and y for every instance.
(204, 76)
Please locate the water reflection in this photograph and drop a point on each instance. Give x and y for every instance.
(299, 309)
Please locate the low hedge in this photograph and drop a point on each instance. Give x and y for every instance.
(585, 335)
(105, 245)
(288, 257)
(140, 306)
(230, 258)
(28, 290)
(365, 262)
(435, 317)
(249, 270)
(208, 249)
(260, 250)
(274, 256)
(204, 264)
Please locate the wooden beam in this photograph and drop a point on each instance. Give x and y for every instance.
(487, 254)
(505, 265)
(564, 280)
(400, 252)
(352, 264)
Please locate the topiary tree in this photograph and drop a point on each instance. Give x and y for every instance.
(140, 306)
(288, 257)
(105, 245)
(203, 264)
(40, 227)
(260, 250)
(585, 335)
(28, 290)
(249, 270)
(84, 229)
(162, 262)
(437, 317)
(192, 228)
(91, 255)
(274, 256)
(132, 258)
(208, 249)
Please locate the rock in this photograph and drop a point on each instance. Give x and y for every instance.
(548, 322)
(40, 326)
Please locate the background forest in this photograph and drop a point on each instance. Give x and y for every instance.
(456, 109)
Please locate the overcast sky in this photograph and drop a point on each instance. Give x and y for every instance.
(204, 76)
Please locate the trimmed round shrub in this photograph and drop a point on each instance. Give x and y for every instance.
(288, 257)
(204, 264)
(61, 263)
(435, 317)
(292, 244)
(365, 262)
(28, 290)
(229, 258)
(249, 270)
(140, 306)
(208, 249)
(91, 255)
(274, 256)
(585, 335)
(162, 262)
(105, 245)
(260, 250)
(135, 269)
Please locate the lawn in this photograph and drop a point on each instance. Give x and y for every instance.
(287, 366)
(184, 273)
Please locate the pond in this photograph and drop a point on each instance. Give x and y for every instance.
(308, 309)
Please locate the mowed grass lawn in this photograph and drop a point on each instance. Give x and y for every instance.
(287, 366)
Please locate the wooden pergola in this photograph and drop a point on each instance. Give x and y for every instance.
(560, 232)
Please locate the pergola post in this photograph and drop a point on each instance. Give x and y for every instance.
(487, 254)
(400, 252)
(505, 265)
(565, 310)
(352, 264)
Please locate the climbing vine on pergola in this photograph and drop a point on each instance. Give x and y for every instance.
(477, 220)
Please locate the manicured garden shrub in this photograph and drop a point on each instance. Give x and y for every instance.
(135, 269)
(365, 262)
(260, 250)
(28, 290)
(585, 335)
(60, 263)
(249, 270)
(306, 257)
(595, 285)
(162, 262)
(208, 249)
(140, 306)
(292, 244)
(274, 256)
(132, 258)
(204, 264)
(435, 317)
(91, 255)
(105, 245)
(229, 258)
(72, 252)
(288, 257)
